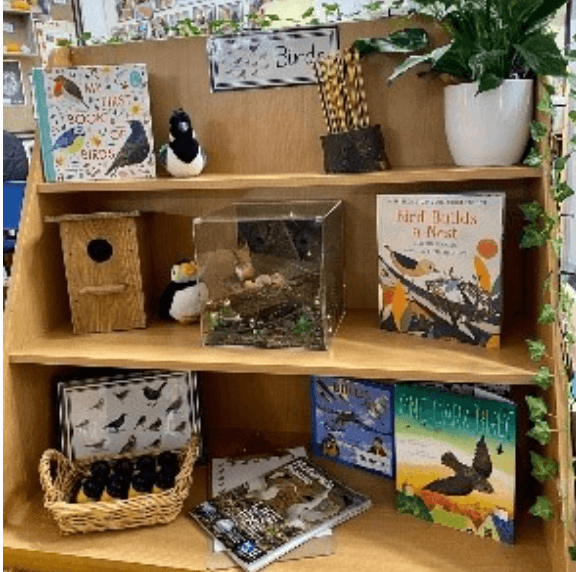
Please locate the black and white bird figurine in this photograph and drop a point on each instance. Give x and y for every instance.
(185, 297)
(182, 156)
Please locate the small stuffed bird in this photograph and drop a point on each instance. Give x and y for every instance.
(71, 140)
(182, 155)
(185, 297)
(64, 87)
(135, 149)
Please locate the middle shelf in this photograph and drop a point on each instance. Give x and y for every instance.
(359, 349)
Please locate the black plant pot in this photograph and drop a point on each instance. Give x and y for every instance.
(356, 151)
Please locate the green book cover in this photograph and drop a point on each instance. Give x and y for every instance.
(456, 458)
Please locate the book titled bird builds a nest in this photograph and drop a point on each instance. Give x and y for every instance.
(456, 457)
(94, 122)
(440, 263)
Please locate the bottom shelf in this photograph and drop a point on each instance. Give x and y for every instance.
(378, 537)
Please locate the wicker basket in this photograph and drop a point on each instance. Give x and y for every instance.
(143, 510)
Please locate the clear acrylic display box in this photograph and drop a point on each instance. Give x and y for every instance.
(275, 273)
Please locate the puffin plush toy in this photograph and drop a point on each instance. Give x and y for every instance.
(186, 295)
(182, 155)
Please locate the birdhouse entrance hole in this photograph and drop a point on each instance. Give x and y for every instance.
(100, 250)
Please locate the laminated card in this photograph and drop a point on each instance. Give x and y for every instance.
(439, 270)
(94, 122)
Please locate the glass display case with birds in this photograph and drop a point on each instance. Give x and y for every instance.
(274, 272)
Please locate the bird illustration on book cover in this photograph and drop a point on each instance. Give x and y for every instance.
(440, 262)
(456, 458)
(95, 122)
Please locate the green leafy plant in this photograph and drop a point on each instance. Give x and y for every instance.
(543, 508)
(304, 325)
(492, 40)
(543, 468)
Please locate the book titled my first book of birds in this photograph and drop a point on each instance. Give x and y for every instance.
(440, 259)
(456, 458)
(94, 122)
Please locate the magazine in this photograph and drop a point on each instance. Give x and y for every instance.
(268, 516)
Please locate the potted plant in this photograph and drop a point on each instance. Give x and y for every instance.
(497, 49)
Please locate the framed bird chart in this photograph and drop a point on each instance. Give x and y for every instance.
(353, 422)
(456, 458)
(94, 122)
(268, 59)
(129, 412)
(440, 265)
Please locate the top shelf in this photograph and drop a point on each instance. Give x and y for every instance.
(238, 181)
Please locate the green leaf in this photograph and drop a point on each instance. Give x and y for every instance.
(537, 408)
(560, 164)
(536, 349)
(402, 41)
(533, 237)
(547, 283)
(543, 377)
(538, 130)
(562, 191)
(572, 552)
(572, 115)
(557, 246)
(543, 468)
(534, 158)
(547, 315)
(543, 508)
(541, 432)
(532, 211)
(412, 61)
(309, 13)
(542, 55)
(489, 81)
(545, 104)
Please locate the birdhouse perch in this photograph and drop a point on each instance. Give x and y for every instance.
(103, 271)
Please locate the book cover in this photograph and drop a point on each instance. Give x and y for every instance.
(439, 271)
(274, 513)
(353, 422)
(456, 458)
(94, 122)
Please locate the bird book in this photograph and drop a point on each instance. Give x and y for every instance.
(353, 422)
(439, 270)
(94, 122)
(456, 458)
(128, 412)
(274, 513)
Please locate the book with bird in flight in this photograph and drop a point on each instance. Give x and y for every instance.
(456, 457)
(274, 513)
(440, 265)
(94, 122)
(353, 422)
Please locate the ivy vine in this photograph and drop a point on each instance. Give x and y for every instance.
(542, 227)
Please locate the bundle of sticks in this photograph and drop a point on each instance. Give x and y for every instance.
(341, 89)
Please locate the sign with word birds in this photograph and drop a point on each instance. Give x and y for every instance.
(94, 122)
(439, 268)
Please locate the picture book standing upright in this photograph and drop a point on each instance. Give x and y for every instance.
(456, 458)
(440, 259)
(353, 422)
(94, 122)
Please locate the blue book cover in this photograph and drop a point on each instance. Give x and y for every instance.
(94, 122)
(456, 458)
(353, 422)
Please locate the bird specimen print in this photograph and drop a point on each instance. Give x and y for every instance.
(99, 404)
(153, 394)
(117, 423)
(129, 446)
(71, 141)
(156, 425)
(64, 87)
(122, 394)
(135, 149)
(140, 422)
(175, 405)
(466, 478)
(98, 446)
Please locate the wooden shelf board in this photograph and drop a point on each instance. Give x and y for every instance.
(378, 536)
(8, 55)
(359, 349)
(234, 181)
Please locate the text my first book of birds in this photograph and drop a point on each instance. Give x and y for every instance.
(439, 269)
(456, 458)
(94, 122)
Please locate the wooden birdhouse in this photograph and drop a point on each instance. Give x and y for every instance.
(103, 271)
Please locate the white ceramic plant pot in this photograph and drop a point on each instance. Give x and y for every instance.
(491, 128)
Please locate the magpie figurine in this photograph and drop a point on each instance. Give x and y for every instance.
(135, 149)
(182, 156)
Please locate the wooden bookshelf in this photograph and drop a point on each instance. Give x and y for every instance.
(265, 144)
